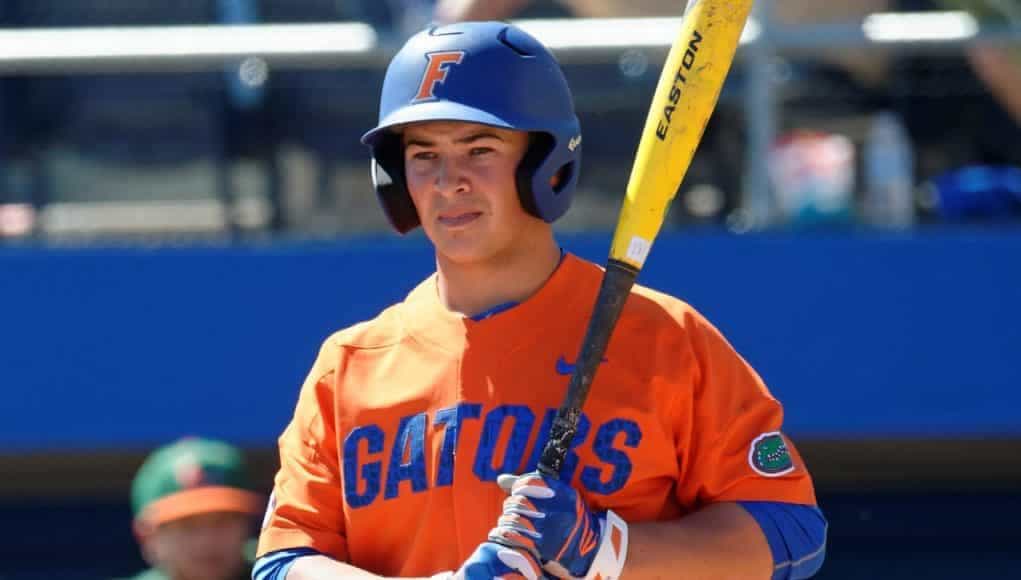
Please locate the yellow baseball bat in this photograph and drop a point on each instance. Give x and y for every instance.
(685, 97)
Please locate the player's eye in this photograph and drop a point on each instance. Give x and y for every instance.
(480, 151)
(423, 155)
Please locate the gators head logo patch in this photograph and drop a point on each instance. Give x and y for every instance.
(769, 455)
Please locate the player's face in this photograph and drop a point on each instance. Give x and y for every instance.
(202, 547)
(461, 177)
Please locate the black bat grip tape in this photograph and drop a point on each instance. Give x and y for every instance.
(613, 293)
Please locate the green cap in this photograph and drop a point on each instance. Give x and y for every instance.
(189, 477)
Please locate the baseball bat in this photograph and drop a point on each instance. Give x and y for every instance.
(685, 97)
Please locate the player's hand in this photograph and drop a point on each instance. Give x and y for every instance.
(491, 560)
(546, 516)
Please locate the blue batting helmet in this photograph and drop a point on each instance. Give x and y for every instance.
(491, 73)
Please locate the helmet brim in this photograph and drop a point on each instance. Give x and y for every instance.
(433, 111)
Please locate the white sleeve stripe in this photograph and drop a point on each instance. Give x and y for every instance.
(803, 559)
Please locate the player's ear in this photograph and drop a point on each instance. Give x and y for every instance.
(144, 534)
(141, 529)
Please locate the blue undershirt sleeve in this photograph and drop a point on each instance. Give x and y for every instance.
(796, 535)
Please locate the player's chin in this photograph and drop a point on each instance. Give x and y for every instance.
(462, 248)
(459, 245)
(463, 254)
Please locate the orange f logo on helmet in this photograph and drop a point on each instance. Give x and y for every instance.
(436, 72)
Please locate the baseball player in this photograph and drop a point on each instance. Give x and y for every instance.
(194, 512)
(413, 448)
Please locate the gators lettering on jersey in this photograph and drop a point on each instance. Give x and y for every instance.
(405, 422)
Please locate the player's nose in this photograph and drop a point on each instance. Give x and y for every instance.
(451, 179)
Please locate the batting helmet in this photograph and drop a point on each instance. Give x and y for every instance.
(491, 73)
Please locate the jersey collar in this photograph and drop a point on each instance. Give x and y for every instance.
(427, 319)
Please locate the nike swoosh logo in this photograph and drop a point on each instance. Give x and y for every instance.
(565, 368)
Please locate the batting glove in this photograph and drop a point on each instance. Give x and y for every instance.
(545, 516)
(492, 561)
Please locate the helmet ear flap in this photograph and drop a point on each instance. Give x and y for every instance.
(391, 187)
(546, 176)
(539, 147)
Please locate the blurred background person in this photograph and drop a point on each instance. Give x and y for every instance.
(985, 185)
(194, 512)
(999, 67)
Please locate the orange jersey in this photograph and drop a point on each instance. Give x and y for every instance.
(405, 422)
